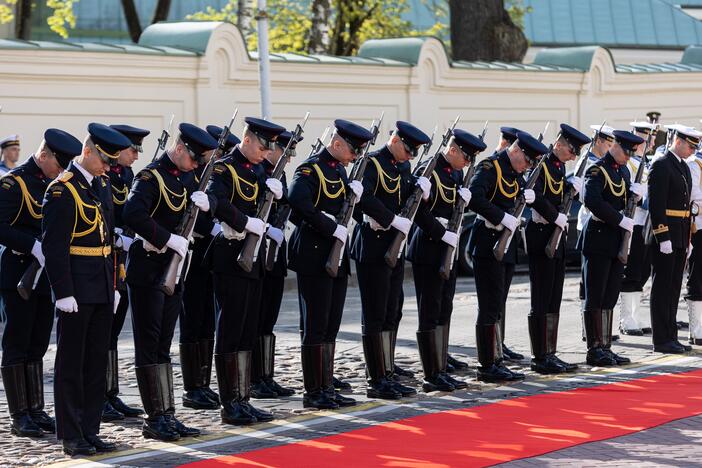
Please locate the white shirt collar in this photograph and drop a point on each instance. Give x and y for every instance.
(88, 176)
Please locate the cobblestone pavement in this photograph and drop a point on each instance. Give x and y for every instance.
(668, 445)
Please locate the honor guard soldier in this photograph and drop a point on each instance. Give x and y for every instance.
(507, 136)
(264, 385)
(155, 206)
(9, 153)
(494, 188)
(694, 278)
(427, 246)
(633, 319)
(607, 186)
(669, 191)
(237, 188)
(197, 319)
(546, 275)
(27, 331)
(77, 234)
(121, 178)
(316, 196)
(385, 190)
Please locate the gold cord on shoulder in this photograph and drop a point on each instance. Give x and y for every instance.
(442, 191)
(617, 189)
(165, 191)
(323, 181)
(502, 182)
(236, 181)
(382, 176)
(80, 211)
(119, 196)
(556, 188)
(33, 207)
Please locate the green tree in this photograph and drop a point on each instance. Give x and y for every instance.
(20, 11)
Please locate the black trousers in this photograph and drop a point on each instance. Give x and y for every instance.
(79, 375)
(603, 281)
(154, 316)
(492, 282)
(271, 299)
(381, 295)
(546, 276)
(694, 277)
(322, 301)
(434, 295)
(27, 328)
(118, 319)
(238, 301)
(197, 319)
(638, 265)
(665, 294)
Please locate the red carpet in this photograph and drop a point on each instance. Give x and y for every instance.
(494, 433)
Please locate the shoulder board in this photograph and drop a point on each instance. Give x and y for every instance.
(593, 170)
(487, 164)
(305, 168)
(7, 182)
(219, 168)
(56, 190)
(145, 175)
(65, 176)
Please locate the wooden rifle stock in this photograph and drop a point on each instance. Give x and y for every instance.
(29, 280)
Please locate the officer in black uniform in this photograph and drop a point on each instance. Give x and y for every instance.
(236, 188)
(385, 190)
(156, 204)
(121, 178)
(316, 195)
(546, 275)
(197, 319)
(263, 383)
(28, 327)
(427, 246)
(607, 186)
(669, 192)
(495, 188)
(77, 230)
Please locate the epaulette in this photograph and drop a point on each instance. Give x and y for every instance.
(145, 175)
(7, 182)
(56, 190)
(65, 176)
(304, 169)
(219, 168)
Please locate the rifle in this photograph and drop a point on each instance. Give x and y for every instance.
(502, 244)
(344, 217)
(418, 170)
(172, 275)
(555, 239)
(120, 281)
(250, 248)
(625, 245)
(412, 204)
(163, 139)
(456, 222)
(284, 214)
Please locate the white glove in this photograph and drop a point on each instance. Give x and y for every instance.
(639, 190)
(179, 244)
(689, 250)
(275, 186)
(666, 247)
(123, 242)
(465, 194)
(38, 254)
(561, 221)
(255, 226)
(357, 188)
(510, 222)
(451, 238)
(529, 196)
(116, 304)
(118, 231)
(341, 233)
(401, 224)
(216, 229)
(275, 234)
(576, 182)
(201, 201)
(627, 224)
(67, 304)
(425, 185)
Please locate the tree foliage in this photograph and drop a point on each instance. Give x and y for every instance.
(60, 20)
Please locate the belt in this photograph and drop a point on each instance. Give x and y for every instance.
(103, 251)
(678, 213)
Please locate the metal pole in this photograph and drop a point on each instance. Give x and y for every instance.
(264, 65)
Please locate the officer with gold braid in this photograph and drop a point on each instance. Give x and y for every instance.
(77, 245)
(155, 206)
(29, 322)
(546, 275)
(121, 178)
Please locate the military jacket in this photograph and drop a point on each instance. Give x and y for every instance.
(76, 230)
(669, 189)
(121, 179)
(316, 195)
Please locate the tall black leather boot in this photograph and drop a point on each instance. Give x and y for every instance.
(155, 401)
(191, 367)
(165, 373)
(259, 387)
(34, 374)
(442, 343)
(206, 353)
(378, 384)
(607, 318)
(397, 370)
(389, 338)
(499, 353)
(541, 361)
(268, 355)
(244, 359)
(552, 342)
(14, 380)
(109, 412)
(487, 343)
(313, 376)
(433, 379)
(506, 352)
(113, 388)
(595, 335)
(328, 377)
(230, 392)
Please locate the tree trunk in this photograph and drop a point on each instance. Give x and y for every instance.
(244, 17)
(483, 30)
(23, 20)
(163, 7)
(132, 17)
(318, 40)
